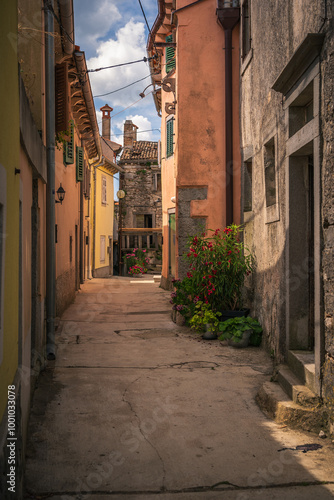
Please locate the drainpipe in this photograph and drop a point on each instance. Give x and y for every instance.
(228, 16)
(95, 165)
(50, 186)
(81, 232)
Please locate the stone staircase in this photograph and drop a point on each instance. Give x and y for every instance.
(290, 398)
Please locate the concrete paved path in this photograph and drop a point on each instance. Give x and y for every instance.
(135, 407)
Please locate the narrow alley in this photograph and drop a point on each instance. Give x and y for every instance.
(137, 407)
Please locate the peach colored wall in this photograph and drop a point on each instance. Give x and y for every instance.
(67, 213)
(200, 110)
(168, 176)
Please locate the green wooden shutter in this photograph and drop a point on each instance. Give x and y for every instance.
(80, 163)
(170, 137)
(69, 147)
(170, 55)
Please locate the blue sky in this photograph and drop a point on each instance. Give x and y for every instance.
(113, 32)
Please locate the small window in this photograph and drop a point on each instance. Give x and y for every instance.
(102, 248)
(69, 146)
(170, 55)
(170, 137)
(156, 182)
(301, 110)
(248, 186)
(270, 172)
(104, 190)
(246, 28)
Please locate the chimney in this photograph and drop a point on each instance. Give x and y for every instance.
(130, 133)
(106, 110)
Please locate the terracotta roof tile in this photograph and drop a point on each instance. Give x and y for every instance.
(142, 150)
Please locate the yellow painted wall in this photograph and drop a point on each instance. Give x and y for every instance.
(104, 215)
(9, 160)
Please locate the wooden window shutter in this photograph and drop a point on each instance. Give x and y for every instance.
(104, 190)
(80, 163)
(62, 97)
(170, 138)
(69, 146)
(170, 55)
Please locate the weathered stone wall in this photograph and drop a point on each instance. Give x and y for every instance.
(141, 197)
(327, 125)
(187, 225)
(65, 290)
(284, 24)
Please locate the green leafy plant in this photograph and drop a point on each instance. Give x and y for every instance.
(218, 266)
(234, 329)
(204, 315)
(137, 261)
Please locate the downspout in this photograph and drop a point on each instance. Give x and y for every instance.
(50, 186)
(228, 17)
(95, 165)
(81, 233)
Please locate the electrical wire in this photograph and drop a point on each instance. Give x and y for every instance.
(122, 88)
(145, 59)
(50, 8)
(138, 132)
(149, 30)
(130, 105)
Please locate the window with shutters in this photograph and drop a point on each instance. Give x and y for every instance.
(170, 55)
(104, 190)
(80, 164)
(69, 146)
(62, 97)
(170, 137)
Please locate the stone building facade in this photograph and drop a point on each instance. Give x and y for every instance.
(287, 133)
(141, 181)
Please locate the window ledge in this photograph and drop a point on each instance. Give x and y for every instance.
(272, 214)
(246, 61)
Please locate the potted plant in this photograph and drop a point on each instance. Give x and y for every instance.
(218, 266)
(241, 331)
(205, 320)
(137, 262)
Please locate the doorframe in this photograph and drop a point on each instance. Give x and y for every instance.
(309, 133)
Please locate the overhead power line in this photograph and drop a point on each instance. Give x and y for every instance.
(122, 88)
(145, 59)
(149, 30)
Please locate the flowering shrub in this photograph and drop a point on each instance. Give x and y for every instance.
(217, 270)
(137, 261)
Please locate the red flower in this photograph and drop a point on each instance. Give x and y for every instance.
(229, 252)
(195, 255)
(189, 275)
(219, 263)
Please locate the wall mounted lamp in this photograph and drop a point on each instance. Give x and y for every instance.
(142, 94)
(61, 194)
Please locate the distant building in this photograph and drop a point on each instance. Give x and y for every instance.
(141, 207)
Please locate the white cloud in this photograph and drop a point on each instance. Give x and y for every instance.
(94, 21)
(142, 122)
(128, 45)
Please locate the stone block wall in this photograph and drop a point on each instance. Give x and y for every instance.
(327, 125)
(141, 197)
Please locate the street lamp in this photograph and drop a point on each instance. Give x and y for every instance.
(61, 194)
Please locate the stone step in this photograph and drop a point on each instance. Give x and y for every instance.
(276, 404)
(293, 387)
(302, 364)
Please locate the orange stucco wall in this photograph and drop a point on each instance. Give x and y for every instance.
(201, 110)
